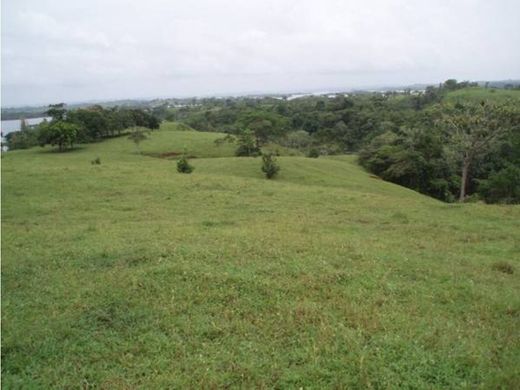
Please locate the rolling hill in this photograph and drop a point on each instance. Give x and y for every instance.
(130, 275)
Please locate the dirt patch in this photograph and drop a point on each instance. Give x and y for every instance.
(169, 154)
(174, 154)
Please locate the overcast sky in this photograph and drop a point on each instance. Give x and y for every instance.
(77, 50)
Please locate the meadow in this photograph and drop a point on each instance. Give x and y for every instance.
(478, 94)
(130, 275)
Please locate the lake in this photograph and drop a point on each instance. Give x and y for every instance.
(14, 124)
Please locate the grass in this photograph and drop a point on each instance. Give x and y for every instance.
(477, 94)
(128, 274)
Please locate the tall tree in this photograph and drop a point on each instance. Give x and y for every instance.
(473, 131)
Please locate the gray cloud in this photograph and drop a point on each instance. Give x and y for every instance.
(103, 49)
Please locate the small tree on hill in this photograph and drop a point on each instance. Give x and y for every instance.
(247, 145)
(183, 166)
(270, 166)
(138, 135)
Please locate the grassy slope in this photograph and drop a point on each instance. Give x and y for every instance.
(128, 274)
(478, 94)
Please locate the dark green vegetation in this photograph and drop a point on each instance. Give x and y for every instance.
(127, 274)
(270, 166)
(69, 127)
(450, 142)
(183, 166)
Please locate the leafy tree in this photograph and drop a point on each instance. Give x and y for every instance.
(246, 145)
(473, 131)
(413, 158)
(57, 111)
(270, 166)
(138, 135)
(26, 138)
(450, 84)
(93, 122)
(58, 133)
(23, 139)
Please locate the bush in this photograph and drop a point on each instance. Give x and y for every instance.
(313, 153)
(183, 166)
(270, 167)
(96, 161)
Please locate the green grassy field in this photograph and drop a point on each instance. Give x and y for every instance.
(130, 275)
(477, 94)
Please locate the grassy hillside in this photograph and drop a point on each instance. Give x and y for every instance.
(480, 93)
(130, 275)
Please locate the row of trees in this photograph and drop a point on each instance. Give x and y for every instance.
(68, 127)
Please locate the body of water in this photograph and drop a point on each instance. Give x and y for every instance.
(14, 124)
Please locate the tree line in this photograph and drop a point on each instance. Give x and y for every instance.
(69, 127)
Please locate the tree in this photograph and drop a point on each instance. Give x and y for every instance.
(137, 135)
(298, 139)
(270, 166)
(24, 126)
(450, 84)
(247, 145)
(57, 111)
(473, 131)
(93, 122)
(58, 132)
(23, 139)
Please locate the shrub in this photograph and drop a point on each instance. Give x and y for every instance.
(183, 166)
(270, 167)
(96, 161)
(313, 153)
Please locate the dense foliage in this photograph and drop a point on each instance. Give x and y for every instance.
(81, 125)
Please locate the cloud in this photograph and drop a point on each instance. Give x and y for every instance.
(101, 49)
